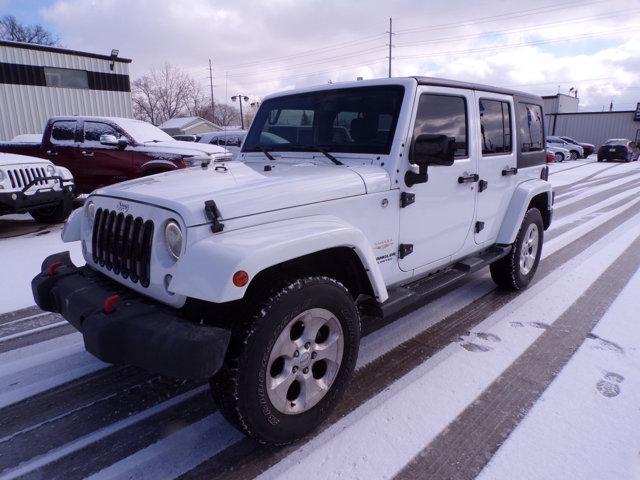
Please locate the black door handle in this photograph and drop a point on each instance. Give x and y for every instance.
(509, 171)
(469, 178)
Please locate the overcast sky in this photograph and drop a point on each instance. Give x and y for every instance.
(261, 46)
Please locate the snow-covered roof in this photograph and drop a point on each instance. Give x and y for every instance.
(181, 122)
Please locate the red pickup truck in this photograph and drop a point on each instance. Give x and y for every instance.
(101, 151)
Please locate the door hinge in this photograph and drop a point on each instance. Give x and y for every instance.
(213, 214)
(405, 249)
(482, 185)
(479, 227)
(407, 199)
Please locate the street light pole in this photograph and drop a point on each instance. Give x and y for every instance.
(240, 98)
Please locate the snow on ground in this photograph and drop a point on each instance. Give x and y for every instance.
(21, 260)
(585, 425)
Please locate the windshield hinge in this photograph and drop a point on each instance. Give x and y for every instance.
(406, 199)
(213, 214)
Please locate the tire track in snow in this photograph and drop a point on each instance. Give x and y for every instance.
(583, 180)
(470, 441)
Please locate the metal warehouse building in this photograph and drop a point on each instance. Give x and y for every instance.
(37, 82)
(562, 118)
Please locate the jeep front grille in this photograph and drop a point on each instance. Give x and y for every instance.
(21, 177)
(123, 244)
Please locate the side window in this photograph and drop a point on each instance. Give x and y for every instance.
(530, 127)
(495, 125)
(63, 133)
(443, 115)
(94, 130)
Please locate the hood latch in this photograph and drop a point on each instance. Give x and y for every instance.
(213, 214)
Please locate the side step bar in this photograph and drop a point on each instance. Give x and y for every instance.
(426, 288)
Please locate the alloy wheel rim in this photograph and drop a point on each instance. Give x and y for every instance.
(529, 251)
(304, 361)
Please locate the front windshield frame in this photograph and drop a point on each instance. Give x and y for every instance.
(253, 141)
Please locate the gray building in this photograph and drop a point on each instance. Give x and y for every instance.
(38, 82)
(562, 118)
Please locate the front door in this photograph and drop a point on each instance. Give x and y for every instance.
(440, 220)
(497, 165)
(104, 164)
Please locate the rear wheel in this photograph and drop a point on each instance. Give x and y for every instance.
(54, 214)
(288, 367)
(559, 157)
(516, 270)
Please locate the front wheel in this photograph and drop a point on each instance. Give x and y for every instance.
(516, 270)
(559, 157)
(574, 155)
(55, 214)
(289, 365)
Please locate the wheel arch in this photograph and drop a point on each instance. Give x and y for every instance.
(533, 193)
(308, 246)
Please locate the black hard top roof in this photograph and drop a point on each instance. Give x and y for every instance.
(443, 82)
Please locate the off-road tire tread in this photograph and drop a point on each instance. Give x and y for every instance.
(505, 272)
(225, 384)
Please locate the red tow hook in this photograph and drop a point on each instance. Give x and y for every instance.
(109, 303)
(51, 271)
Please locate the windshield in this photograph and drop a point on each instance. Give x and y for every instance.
(357, 120)
(616, 141)
(143, 132)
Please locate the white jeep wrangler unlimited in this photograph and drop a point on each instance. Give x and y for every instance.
(350, 198)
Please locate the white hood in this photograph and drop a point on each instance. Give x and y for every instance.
(181, 148)
(241, 189)
(11, 159)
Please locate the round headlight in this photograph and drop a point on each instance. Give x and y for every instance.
(51, 170)
(91, 212)
(173, 238)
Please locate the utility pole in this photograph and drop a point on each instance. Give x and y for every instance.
(240, 98)
(390, 32)
(213, 111)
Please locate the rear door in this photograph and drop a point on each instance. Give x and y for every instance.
(103, 164)
(497, 166)
(61, 147)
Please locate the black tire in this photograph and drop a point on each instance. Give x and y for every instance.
(574, 155)
(507, 271)
(55, 214)
(240, 387)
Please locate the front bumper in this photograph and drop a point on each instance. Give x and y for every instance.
(138, 331)
(20, 201)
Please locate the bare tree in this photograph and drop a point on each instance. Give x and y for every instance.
(164, 93)
(15, 31)
(224, 115)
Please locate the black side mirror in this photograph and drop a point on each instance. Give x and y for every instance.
(123, 143)
(428, 149)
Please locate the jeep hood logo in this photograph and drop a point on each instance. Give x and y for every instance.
(122, 207)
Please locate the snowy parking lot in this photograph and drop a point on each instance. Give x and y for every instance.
(478, 383)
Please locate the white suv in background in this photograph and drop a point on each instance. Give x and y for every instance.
(575, 151)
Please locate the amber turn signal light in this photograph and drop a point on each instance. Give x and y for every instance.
(240, 278)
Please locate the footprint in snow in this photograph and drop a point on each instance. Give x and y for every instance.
(479, 347)
(541, 325)
(603, 344)
(609, 386)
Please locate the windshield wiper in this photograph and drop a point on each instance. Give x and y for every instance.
(266, 153)
(310, 148)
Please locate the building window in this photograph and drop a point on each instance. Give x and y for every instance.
(530, 128)
(495, 125)
(66, 78)
(443, 115)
